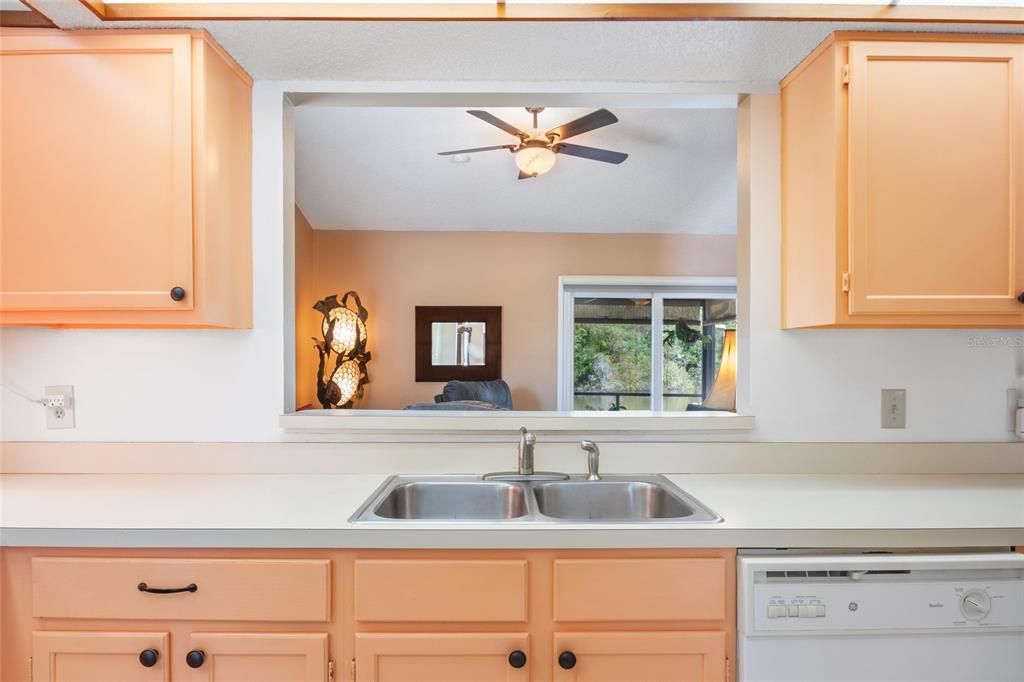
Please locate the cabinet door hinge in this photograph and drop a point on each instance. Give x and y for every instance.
(330, 671)
(846, 74)
(30, 671)
(728, 669)
(846, 282)
(352, 670)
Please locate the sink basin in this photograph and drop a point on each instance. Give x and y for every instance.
(450, 500)
(467, 499)
(613, 500)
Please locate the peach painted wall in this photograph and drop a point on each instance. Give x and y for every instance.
(396, 271)
(306, 319)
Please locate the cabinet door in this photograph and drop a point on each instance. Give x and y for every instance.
(936, 158)
(97, 179)
(460, 657)
(255, 657)
(99, 657)
(640, 657)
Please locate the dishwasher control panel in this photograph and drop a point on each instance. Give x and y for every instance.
(785, 609)
(850, 605)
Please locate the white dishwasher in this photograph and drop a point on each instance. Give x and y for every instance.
(868, 617)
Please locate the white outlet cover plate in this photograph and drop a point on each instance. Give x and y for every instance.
(1012, 400)
(894, 408)
(61, 417)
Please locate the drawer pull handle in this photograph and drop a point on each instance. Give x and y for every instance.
(517, 659)
(149, 657)
(567, 660)
(191, 587)
(195, 658)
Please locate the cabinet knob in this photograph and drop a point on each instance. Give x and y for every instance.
(178, 294)
(567, 660)
(1020, 297)
(195, 658)
(517, 659)
(149, 657)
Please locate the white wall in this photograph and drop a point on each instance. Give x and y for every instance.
(153, 385)
(171, 385)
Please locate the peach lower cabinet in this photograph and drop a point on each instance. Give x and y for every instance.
(368, 615)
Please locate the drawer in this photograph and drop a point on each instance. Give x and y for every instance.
(226, 589)
(601, 590)
(439, 591)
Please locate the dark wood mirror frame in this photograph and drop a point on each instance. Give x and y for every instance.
(489, 315)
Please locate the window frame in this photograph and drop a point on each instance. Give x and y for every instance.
(657, 289)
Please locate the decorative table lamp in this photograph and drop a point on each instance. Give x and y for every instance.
(723, 392)
(344, 335)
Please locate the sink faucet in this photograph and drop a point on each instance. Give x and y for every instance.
(593, 459)
(525, 472)
(526, 442)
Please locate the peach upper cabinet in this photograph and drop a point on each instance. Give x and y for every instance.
(126, 163)
(903, 183)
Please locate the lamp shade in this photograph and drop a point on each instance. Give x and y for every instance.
(347, 378)
(348, 330)
(723, 392)
(535, 160)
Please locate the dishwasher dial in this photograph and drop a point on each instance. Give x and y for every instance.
(976, 604)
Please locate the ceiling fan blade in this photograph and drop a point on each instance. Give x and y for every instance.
(488, 117)
(526, 176)
(477, 149)
(592, 121)
(592, 153)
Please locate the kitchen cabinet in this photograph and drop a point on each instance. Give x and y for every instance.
(373, 615)
(647, 656)
(435, 657)
(256, 657)
(902, 182)
(100, 657)
(620, 615)
(127, 180)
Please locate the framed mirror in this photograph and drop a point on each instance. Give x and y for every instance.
(458, 343)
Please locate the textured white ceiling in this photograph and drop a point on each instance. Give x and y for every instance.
(378, 168)
(721, 55)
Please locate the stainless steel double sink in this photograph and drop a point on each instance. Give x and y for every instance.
(613, 499)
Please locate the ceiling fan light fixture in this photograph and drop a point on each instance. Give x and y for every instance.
(535, 150)
(535, 159)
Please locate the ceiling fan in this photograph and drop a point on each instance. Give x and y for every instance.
(535, 152)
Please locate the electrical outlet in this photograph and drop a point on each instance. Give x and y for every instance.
(1012, 403)
(894, 408)
(60, 414)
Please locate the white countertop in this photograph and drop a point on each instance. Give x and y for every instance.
(312, 510)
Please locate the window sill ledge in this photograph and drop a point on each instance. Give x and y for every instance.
(402, 421)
